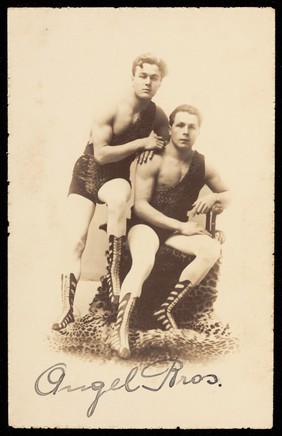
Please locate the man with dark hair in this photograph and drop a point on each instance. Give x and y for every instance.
(149, 58)
(102, 174)
(166, 188)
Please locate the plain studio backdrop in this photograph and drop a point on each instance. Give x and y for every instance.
(64, 65)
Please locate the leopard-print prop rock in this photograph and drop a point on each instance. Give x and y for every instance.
(200, 335)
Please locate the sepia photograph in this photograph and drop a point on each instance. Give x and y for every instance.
(141, 209)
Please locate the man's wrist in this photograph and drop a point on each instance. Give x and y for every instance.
(179, 227)
(216, 198)
(141, 144)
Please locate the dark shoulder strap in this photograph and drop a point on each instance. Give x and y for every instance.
(149, 113)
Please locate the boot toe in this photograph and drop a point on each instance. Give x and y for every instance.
(124, 353)
(56, 326)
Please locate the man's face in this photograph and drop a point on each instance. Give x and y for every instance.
(185, 130)
(146, 81)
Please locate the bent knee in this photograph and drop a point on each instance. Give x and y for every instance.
(77, 246)
(142, 265)
(117, 204)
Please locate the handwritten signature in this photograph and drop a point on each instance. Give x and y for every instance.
(55, 375)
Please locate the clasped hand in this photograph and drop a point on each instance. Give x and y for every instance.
(205, 203)
(153, 143)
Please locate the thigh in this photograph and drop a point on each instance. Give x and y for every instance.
(143, 242)
(79, 213)
(115, 190)
(192, 245)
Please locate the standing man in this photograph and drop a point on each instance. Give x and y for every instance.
(102, 174)
(166, 188)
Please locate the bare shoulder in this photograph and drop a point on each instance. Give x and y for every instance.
(105, 113)
(151, 167)
(210, 168)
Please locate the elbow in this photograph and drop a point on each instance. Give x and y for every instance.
(139, 209)
(99, 157)
(222, 203)
(227, 199)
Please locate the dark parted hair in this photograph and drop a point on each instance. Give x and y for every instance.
(150, 58)
(185, 108)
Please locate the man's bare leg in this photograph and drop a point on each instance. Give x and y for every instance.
(143, 244)
(79, 213)
(116, 194)
(207, 251)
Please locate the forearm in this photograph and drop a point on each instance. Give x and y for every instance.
(156, 218)
(108, 153)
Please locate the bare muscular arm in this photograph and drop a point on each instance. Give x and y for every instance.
(220, 195)
(101, 134)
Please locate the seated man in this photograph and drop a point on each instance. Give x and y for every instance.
(166, 188)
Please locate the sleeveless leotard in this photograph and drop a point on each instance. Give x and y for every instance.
(89, 176)
(176, 201)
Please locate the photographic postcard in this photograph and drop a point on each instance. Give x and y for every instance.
(64, 66)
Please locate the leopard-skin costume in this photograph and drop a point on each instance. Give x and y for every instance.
(200, 335)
